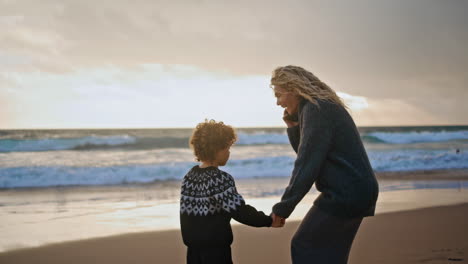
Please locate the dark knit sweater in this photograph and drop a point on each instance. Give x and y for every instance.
(330, 154)
(209, 200)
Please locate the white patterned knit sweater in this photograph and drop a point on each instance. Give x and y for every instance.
(208, 201)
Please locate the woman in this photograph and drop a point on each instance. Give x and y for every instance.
(330, 154)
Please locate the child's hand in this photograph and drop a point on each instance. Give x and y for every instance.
(278, 221)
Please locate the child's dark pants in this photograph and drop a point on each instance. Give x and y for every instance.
(217, 255)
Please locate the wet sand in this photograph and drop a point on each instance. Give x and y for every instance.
(430, 235)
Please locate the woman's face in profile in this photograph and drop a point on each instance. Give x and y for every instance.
(288, 100)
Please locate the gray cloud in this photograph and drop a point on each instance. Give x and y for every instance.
(407, 50)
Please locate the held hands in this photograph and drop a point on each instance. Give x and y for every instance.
(278, 221)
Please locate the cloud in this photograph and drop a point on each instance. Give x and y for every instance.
(151, 96)
(355, 103)
(6, 113)
(156, 95)
(371, 37)
(410, 51)
(395, 112)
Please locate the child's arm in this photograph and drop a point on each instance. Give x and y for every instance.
(248, 215)
(233, 203)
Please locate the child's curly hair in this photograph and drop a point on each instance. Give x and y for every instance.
(209, 137)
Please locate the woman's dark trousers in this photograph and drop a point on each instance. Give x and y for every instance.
(323, 238)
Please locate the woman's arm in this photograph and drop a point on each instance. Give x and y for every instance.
(294, 136)
(316, 133)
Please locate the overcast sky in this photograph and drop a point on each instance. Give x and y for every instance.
(115, 63)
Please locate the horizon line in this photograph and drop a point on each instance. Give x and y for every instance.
(98, 128)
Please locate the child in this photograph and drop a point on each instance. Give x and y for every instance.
(209, 198)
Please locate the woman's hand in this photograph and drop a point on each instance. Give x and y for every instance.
(278, 221)
(289, 120)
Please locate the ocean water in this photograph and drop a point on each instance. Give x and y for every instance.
(63, 185)
(104, 157)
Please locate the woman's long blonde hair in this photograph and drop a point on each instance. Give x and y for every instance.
(302, 82)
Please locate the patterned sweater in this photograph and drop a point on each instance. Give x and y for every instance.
(209, 200)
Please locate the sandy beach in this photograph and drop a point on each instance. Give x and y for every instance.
(430, 235)
(421, 220)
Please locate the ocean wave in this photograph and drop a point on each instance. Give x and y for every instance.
(126, 142)
(277, 166)
(48, 176)
(48, 144)
(262, 138)
(371, 139)
(414, 137)
(20, 177)
(410, 160)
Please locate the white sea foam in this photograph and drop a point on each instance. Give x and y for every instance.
(259, 137)
(44, 176)
(273, 166)
(48, 158)
(46, 144)
(71, 176)
(414, 159)
(418, 137)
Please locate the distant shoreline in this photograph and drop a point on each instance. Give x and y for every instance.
(241, 127)
(424, 175)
